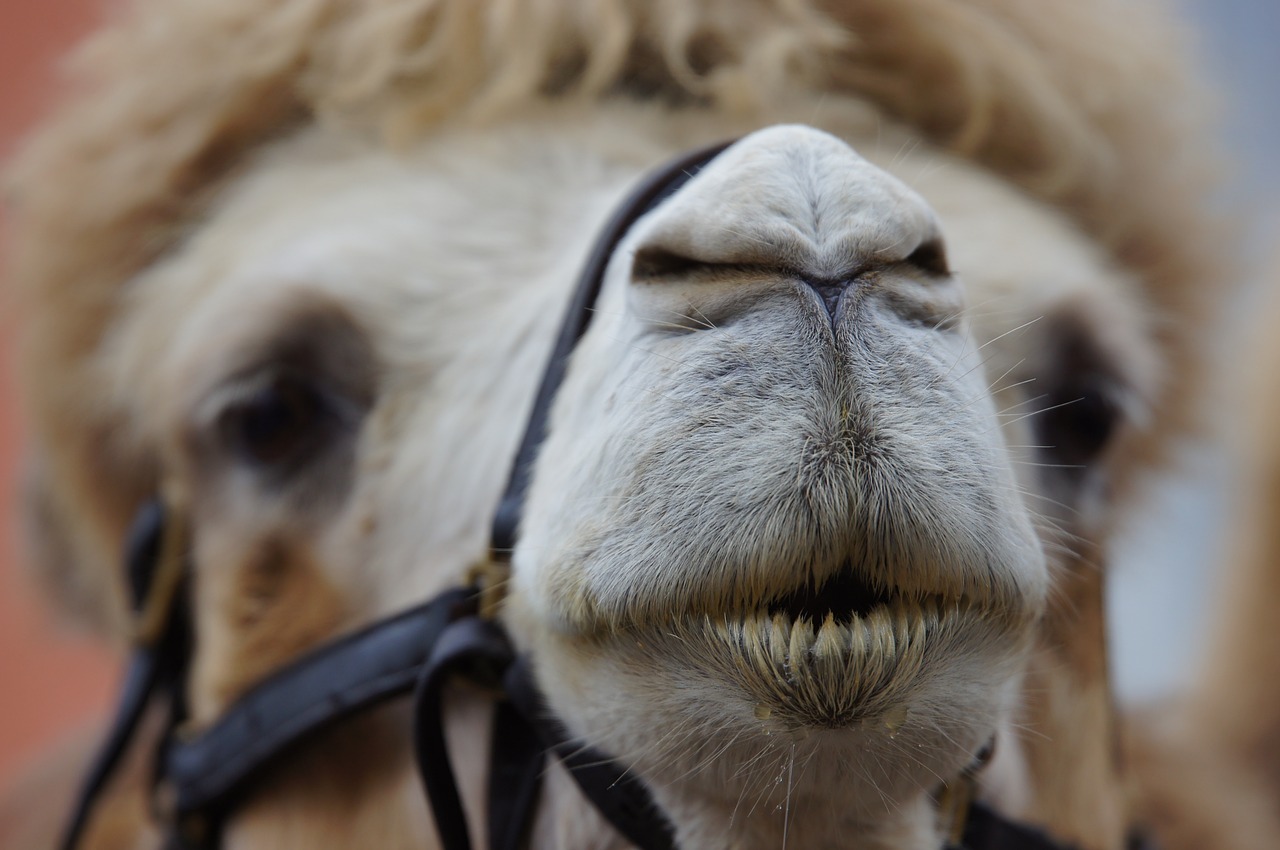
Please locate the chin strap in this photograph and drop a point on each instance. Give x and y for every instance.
(525, 730)
(987, 829)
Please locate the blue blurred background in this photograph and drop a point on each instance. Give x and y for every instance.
(1162, 586)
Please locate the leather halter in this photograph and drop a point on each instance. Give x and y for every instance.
(201, 778)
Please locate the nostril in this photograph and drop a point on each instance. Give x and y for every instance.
(650, 263)
(931, 257)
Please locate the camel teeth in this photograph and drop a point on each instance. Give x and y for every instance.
(932, 614)
(801, 638)
(779, 638)
(830, 641)
(857, 635)
(719, 628)
(919, 629)
(878, 625)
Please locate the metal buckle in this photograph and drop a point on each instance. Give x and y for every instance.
(149, 622)
(490, 576)
(956, 798)
(953, 807)
(191, 829)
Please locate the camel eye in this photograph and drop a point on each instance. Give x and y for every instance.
(1078, 423)
(280, 425)
(1083, 402)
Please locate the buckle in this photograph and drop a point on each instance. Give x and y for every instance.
(490, 577)
(953, 807)
(956, 799)
(189, 829)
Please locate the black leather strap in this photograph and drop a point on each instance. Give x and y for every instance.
(139, 684)
(480, 650)
(1141, 839)
(152, 670)
(517, 759)
(987, 829)
(331, 683)
(617, 793)
(653, 190)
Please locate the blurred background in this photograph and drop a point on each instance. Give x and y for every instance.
(53, 681)
(1162, 587)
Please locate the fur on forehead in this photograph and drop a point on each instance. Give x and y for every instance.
(1069, 100)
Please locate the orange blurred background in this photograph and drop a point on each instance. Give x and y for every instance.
(51, 680)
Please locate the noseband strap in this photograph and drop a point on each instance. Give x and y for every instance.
(528, 728)
(334, 682)
(653, 190)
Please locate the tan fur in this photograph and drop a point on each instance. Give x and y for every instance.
(1069, 711)
(276, 604)
(1194, 790)
(204, 208)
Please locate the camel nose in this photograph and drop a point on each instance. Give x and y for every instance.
(792, 204)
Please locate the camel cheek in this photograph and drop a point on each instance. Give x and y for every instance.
(273, 605)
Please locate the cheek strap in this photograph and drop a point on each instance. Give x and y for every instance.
(155, 565)
(525, 730)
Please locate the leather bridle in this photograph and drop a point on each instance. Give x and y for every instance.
(201, 778)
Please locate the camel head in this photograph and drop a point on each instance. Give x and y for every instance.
(826, 489)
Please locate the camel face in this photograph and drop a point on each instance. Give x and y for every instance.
(786, 509)
(826, 496)
(827, 488)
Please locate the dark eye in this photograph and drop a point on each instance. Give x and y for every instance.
(1082, 407)
(281, 425)
(1078, 423)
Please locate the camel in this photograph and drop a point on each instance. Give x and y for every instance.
(823, 508)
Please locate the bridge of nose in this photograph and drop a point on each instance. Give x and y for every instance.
(792, 198)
